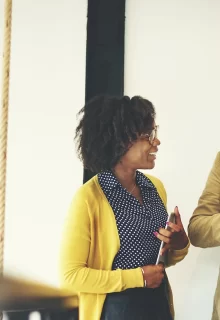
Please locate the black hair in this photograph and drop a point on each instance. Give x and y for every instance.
(108, 126)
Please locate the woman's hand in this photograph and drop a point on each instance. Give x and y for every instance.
(153, 275)
(175, 237)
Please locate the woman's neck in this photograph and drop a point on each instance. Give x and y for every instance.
(127, 177)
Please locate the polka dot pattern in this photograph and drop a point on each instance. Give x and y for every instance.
(135, 222)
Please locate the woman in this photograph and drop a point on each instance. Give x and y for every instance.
(204, 225)
(117, 219)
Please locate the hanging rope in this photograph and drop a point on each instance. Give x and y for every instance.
(4, 121)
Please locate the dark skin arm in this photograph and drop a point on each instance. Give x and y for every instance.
(174, 237)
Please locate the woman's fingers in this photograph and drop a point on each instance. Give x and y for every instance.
(174, 227)
(174, 236)
(165, 232)
(165, 248)
(162, 237)
(178, 220)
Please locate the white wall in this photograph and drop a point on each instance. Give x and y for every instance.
(172, 57)
(47, 89)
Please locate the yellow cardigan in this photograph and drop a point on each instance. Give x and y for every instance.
(89, 245)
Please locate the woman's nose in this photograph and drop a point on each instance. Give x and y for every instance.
(156, 142)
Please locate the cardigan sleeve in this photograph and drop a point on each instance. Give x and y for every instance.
(75, 274)
(175, 256)
(204, 225)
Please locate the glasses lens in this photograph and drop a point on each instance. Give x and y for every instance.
(152, 135)
(156, 132)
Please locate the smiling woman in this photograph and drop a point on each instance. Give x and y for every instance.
(116, 220)
(110, 126)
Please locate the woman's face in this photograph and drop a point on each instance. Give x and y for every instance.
(142, 153)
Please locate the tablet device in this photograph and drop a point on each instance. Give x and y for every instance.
(161, 259)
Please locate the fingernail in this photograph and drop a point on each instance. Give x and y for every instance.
(167, 223)
(155, 233)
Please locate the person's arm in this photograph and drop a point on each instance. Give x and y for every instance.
(179, 243)
(173, 256)
(204, 225)
(75, 246)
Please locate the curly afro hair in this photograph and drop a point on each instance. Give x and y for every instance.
(107, 128)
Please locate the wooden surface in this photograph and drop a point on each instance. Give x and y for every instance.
(21, 294)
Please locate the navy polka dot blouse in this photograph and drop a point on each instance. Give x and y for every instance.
(135, 222)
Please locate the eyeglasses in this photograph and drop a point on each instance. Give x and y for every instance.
(150, 136)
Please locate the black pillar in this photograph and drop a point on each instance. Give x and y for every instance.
(105, 51)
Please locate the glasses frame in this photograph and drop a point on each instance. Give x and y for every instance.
(151, 136)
